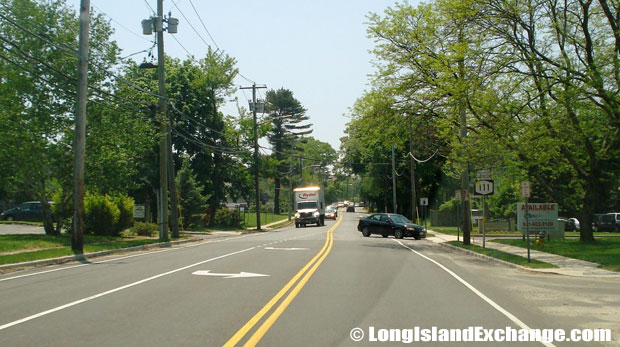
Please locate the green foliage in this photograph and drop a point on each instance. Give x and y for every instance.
(101, 215)
(125, 206)
(191, 199)
(144, 229)
(227, 218)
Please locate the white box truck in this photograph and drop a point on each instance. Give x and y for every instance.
(309, 206)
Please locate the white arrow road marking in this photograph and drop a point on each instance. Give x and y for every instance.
(239, 275)
(287, 249)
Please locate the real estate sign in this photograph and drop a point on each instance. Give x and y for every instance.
(542, 216)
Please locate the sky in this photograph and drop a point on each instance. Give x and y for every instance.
(318, 49)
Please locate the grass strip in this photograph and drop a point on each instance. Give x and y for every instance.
(65, 250)
(604, 251)
(511, 258)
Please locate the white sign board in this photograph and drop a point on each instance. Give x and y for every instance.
(138, 211)
(484, 175)
(542, 216)
(525, 189)
(484, 187)
(424, 201)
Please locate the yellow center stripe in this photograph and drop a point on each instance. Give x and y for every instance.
(313, 264)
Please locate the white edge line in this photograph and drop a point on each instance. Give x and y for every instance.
(121, 258)
(92, 297)
(477, 292)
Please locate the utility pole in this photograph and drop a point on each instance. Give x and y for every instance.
(174, 195)
(77, 236)
(393, 182)
(156, 24)
(290, 187)
(466, 217)
(163, 128)
(414, 201)
(256, 187)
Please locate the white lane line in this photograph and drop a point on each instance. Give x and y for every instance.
(149, 253)
(496, 306)
(121, 258)
(92, 297)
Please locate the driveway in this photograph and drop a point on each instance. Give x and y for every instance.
(13, 229)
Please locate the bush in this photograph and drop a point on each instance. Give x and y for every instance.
(101, 215)
(227, 218)
(144, 229)
(125, 206)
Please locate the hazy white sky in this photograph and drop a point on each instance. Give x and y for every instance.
(316, 48)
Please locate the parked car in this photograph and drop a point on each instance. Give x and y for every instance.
(570, 224)
(606, 222)
(390, 224)
(331, 213)
(27, 211)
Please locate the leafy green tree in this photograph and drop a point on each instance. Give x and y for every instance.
(192, 200)
(287, 117)
(37, 94)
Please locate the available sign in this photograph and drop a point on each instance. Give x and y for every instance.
(542, 216)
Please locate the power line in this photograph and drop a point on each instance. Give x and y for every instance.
(203, 25)
(191, 25)
(149, 6)
(121, 24)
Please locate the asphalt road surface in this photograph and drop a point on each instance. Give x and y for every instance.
(313, 286)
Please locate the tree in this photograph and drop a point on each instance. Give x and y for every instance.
(286, 115)
(192, 201)
(37, 94)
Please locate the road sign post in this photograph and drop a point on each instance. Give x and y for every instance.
(457, 194)
(525, 192)
(424, 203)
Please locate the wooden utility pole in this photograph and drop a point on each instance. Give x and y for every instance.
(393, 182)
(414, 200)
(163, 128)
(466, 217)
(174, 197)
(77, 236)
(256, 186)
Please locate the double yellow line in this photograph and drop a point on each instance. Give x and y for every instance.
(307, 271)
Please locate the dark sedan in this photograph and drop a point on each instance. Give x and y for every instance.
(390, 224)
(27, 211)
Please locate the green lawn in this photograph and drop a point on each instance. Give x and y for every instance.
(453, 231)
(605, 251)
(265, 218)
(515, 259)
(58, 246)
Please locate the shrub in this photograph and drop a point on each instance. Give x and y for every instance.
(125, 206)
(227, 218)
(101, 215)
(144, 229)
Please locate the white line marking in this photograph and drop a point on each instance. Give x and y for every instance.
(92, 297)
(287, 249)
(125, 257)
(496, 306)
(239, 275)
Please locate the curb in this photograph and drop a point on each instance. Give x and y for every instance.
(68, 258)
(499, 261)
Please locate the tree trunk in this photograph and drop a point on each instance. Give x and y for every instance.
(276, 199)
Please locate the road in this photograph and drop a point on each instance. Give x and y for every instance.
(318, 284)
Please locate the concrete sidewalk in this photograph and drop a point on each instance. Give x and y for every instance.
(566, 266)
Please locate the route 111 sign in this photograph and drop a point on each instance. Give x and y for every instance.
(484, 187)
